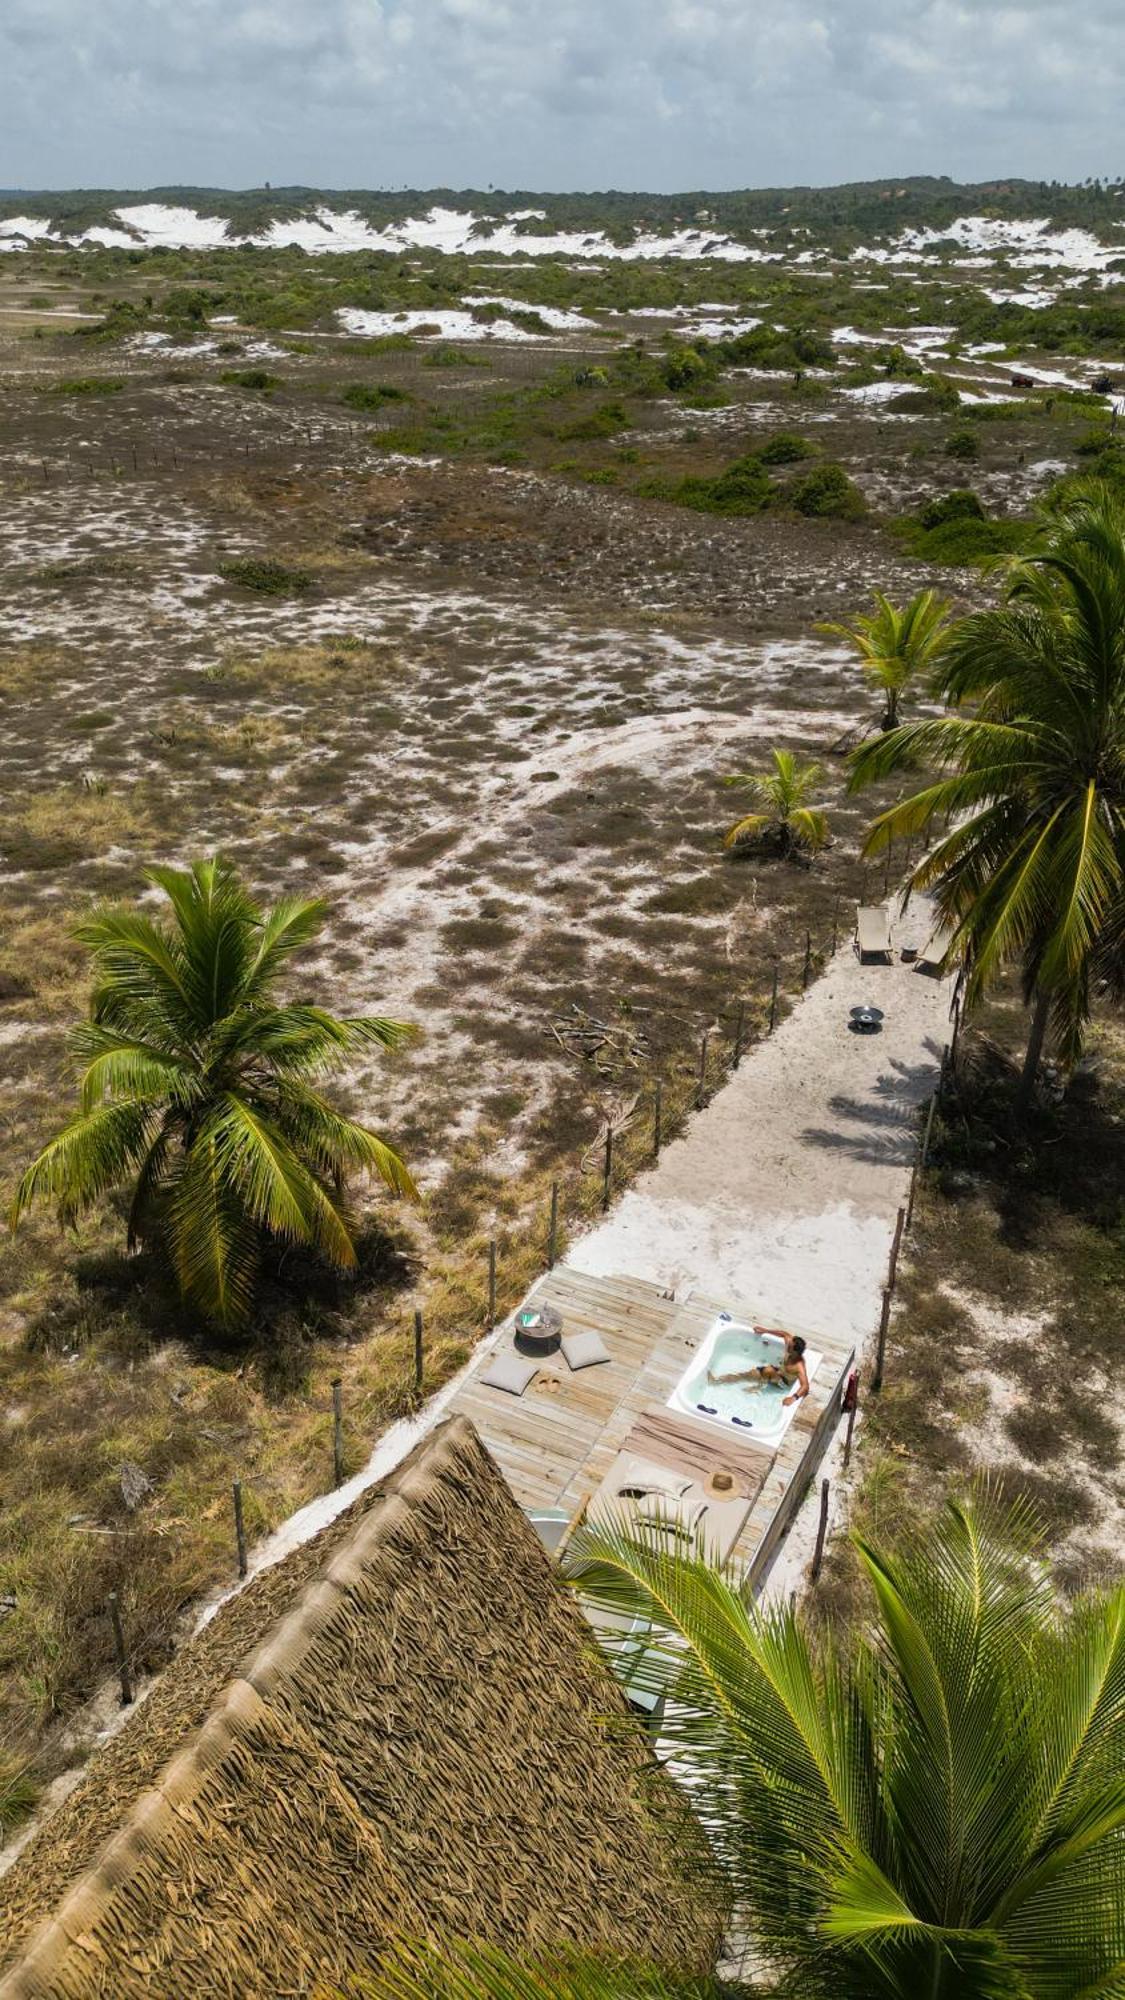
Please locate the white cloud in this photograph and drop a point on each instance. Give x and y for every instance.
(554, 93)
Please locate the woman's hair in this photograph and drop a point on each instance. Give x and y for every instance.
(797, 1344)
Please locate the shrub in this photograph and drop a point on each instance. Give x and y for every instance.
(272, 579)
(372, 395)
(962, 444)
(604, 422)
(250, 378)
(785, 448)
(960, 505)
(743, 487)
(87, 385)
(966, 539)
(454, 357)
(827, 493)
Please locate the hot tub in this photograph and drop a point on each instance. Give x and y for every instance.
(754, 1411)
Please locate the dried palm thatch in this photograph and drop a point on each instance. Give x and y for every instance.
(420, 1741)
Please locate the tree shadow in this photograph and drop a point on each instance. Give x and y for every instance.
(881, 1128)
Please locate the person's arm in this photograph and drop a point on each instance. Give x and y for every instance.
(802, 1388)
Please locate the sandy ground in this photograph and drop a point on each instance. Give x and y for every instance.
(783, 1195)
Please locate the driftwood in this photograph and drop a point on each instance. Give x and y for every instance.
(610, 1046)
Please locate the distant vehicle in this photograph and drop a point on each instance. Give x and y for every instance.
(1024, 381)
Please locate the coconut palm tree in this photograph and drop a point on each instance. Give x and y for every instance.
(197, 1086)
(1031, 870)
(898, 646)
(933, 1811)
(784, 819)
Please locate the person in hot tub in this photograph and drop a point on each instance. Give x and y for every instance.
(791, 1369)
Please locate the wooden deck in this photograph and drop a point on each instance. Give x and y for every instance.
(556, 1442)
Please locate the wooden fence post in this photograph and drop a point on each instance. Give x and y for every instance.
(896, 1245)
(120, 1654)
(738, 1033)
(239, 1527)
(835, 925)
(657, 1122)
(338, 1430)
(701, 1086)
(911, 1195)
(851, 1405)
(491, 1283)
(419, 1358)
(607, 1172)
(808, 962)
(925, 1152)
(553, 1230)
(881, 1348)
(821, 1532)
(773, 997)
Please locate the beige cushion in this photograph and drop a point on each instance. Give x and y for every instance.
(511, 1372)
(584, 1350)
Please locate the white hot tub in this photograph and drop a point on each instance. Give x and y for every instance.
(753, 1410)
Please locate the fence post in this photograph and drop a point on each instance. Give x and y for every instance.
(737, 1057)
(773, 997)
(607, 1173)
(881, 1348)
(120, 1654)
(701, 1086)
(239, 1527)
(892, 1269)
(491, 1283)
(821, 1532)
(851, 1405)
(553, 1230)
(925, 1153)
(657, 1123)
(338, 1430)
(911, 1195)
(808, 962)
(419, 1361)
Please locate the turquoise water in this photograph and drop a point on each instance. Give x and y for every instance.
(748, 1406)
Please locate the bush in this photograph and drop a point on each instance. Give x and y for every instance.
(785, 448)
(372, 395)
(968, 540)
(604, 422)
(960, 505)
(743, 487)
(453, 357)
(272, 579)
(962, 444)
(250, 378)
(827, 493)
(87, 385)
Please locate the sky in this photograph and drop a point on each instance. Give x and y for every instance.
(555, 94)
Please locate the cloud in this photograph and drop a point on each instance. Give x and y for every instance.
(554, 93)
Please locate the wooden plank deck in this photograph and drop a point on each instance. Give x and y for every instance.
(556, 1442)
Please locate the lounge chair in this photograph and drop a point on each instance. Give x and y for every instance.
(872, 932)
(931, 958)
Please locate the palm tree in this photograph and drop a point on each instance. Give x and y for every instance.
(898, 647)
(784, 820)
(476, 1972)
(1031, 872)
(933, 1811)
(196, 1084)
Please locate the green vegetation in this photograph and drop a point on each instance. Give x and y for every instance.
(272, 579)
(932, 1804)
(963, 443)
(954, 528)
(1032, 870)
(784, 448)
(897, 648)
(372, 396)
(195, 1087)
(743, 487)
(784, 822)
(87, 385)
(251, 378)
(826, 493)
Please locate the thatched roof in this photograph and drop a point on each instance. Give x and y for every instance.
(402, 1728)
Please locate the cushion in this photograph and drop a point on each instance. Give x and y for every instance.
(511, 1372)
(584, 1350)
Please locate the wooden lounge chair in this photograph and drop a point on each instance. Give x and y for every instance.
(931, 958)
(872, 932)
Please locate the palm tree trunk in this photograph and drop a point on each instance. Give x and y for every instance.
(1034, 1048)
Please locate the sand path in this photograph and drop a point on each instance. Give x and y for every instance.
(783, 1193)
